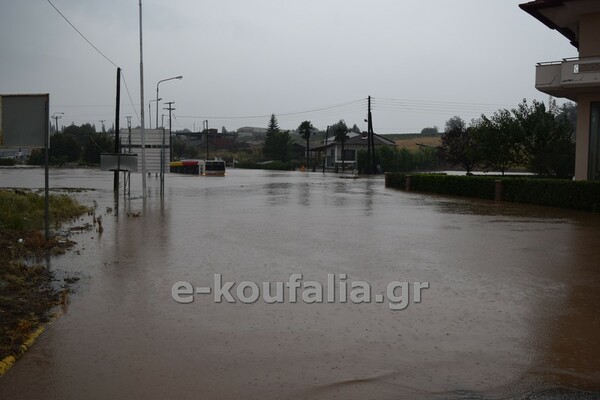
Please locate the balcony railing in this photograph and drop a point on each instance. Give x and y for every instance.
(568, 77)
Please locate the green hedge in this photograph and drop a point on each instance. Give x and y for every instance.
(472, 186)
(7, 162)
(579, 195)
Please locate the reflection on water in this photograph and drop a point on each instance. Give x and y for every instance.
(511, 312)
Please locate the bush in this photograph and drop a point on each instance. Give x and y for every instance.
(7, 162)
(391, 159)
(470, 186)
(579, 195)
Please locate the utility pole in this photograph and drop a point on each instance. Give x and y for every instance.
(170, 108)
(326, 138)
(206, 130)
(129, 147)
(371, 142)
(129, 132)
(369, 154)
(102, 122)
(57, 116)
(162, 153)
(117, 144)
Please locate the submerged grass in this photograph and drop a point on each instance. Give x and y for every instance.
(27, 292)
(23, 210)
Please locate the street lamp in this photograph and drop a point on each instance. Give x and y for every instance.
(157, 99)
(150, 112)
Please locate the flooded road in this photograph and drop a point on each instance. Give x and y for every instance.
(511, 310)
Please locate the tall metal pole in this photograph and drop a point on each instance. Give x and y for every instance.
(143, 135)
(326, 138)
(117, 143)
(47, 172)
(157, 99)
(162, 164)
(206, 122)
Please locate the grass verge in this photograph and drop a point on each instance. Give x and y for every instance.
(28, 291)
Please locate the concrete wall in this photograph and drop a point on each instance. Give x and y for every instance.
(589, 35)
(589, 46)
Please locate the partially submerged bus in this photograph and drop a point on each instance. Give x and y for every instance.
(199, 167)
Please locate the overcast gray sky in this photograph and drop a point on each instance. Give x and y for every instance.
(422, 61)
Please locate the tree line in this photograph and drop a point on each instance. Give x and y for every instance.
(75, 144)
(535, 136)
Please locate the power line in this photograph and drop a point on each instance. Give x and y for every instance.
(348, 105)
(129, 95)
(409, 101)
(82, 35)
(99, 52)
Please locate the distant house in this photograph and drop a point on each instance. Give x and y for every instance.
(253, 133)
(576, 79)
(352, 145)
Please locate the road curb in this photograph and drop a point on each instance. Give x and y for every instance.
(7, 362)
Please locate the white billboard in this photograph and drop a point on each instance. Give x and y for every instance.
(154, 140)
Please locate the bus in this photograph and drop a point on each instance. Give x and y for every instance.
(199, 167)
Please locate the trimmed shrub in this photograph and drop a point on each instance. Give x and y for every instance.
(7, 162)
(578, 195)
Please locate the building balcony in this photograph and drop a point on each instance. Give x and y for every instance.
(569, 77)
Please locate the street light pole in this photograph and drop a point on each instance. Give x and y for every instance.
(150, 112)
(142, 132)
(157, 99)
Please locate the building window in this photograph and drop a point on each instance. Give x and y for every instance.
(594, 152)
(349, 155)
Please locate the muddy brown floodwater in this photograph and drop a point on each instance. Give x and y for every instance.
(511, 312)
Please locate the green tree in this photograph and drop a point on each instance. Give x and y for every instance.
(36, 157)
(455, 122)
(96, 144)
(270, 146)
(569, 111)
(355, 129)
(305, 130)
(340, 134)
(500, 141)
(63, 149)
(181, 150)
(549, 142)
(80, 133)
(393, 159)
(430, 131)
(459, 146)
(278, 143)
